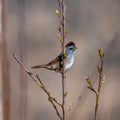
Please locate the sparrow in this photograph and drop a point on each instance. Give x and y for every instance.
(57, 63)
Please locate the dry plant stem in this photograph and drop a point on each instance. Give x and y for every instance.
(61, 15)
(99, 89)
(63, 51)
(38, 81)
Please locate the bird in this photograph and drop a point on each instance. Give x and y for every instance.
(57, 63)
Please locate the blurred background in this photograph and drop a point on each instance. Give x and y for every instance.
(32, 36)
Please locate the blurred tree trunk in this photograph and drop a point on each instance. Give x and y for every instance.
(23, 56)
(5, 65)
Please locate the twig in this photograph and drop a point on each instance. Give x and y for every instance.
(50, 98)
(38, 81)
(47, 92)
(100, 83)
(63, 51)
(61, 34)
(100, 71)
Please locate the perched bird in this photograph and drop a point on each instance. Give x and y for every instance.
(57, 63)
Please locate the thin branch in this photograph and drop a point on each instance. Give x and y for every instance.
(50, 98)
(63, 51)
(57, 102)
(38, 81)
(46, 91)
(100, 71)
(61, 35)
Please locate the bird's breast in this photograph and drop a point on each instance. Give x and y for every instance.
(69, 62)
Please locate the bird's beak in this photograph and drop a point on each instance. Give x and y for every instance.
(76, 48)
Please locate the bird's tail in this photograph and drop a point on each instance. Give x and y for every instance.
(39, 66)
(46, 67)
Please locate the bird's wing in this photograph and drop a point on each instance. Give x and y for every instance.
(55, 65)
(58, 59)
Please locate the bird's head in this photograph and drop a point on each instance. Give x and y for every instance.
(71, 47)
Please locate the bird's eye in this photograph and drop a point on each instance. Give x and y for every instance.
(70, 48)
